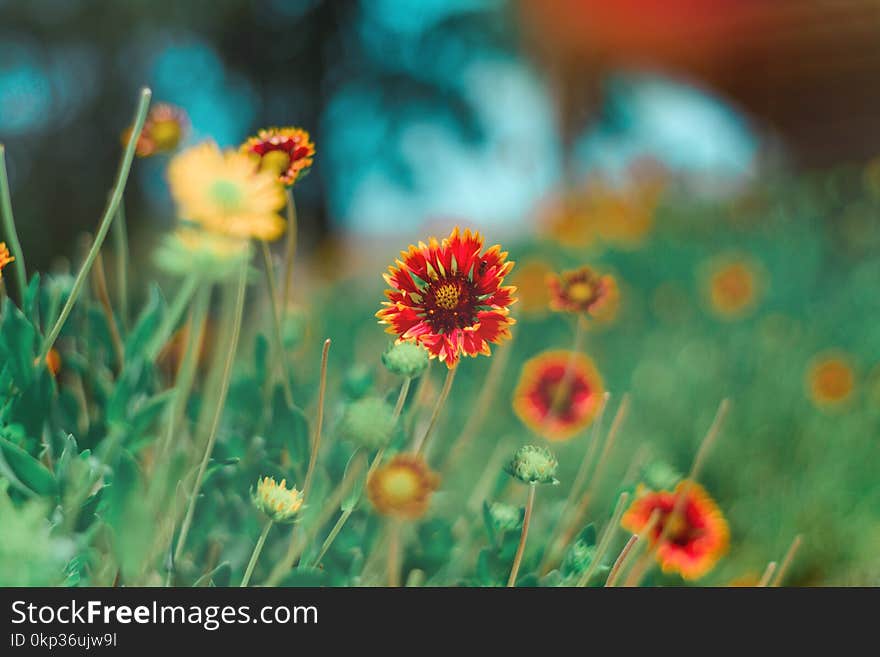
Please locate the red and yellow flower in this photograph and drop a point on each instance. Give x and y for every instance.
(559, 394)
(402, 487)
(830, 380)
(448, 296)
(5, 257)
(164, 128)
(584, 291)
(288, 152)
(689, 535)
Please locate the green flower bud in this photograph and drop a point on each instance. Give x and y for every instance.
(368, 422)
(406, 359)
(506, 517)
(533, 464)
(275, 500)
(659, 475)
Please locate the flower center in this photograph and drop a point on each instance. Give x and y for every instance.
(275, 161)
(401, 485)
(166, 134)
(226, 194)
(447, 296)
(581, 291)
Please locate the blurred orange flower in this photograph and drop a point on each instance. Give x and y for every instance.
(558, 394)
(5, 258)
(164, 129)
(690, 534)
(601, 212)
(584, 291)
(402, 487)
(733, 286)
(830, 380)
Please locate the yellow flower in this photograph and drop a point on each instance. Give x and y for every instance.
(224, 193)
(5, 258)
(277, 501)
(830, 380)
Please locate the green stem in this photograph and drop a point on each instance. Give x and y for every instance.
(605, 541)
(290, 249)
(9, 227)
(293, 550)
(238, 313)
(106, 220)
(120, 240)
(340, 523)
(186, 373)
(172, 317)
(281, 353)
(422, 445)
(255, 555)
(521, 548)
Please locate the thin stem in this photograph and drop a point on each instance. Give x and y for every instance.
(584, 504)
(621, 558)
(524, 534)
(218, 409)
(786, 562)
(696, 467)
(319, 421)
(394, 553)
(293, 549)
(632, 549)
(401, 398)
(480, 408)
(106, 220)
(290, 248)
(580, 478)
(343, 518)
(340, 523)
(9, 227)
(255, 555)
(100, 282)
(175, 311)
(709, 439)
(281, 353)
(605, 541)
(768, 575)
(564, 387)
(421, 446)
(120, 239)
(185, 375)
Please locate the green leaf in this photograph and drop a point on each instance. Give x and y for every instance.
(28, 470)
(30, 304)
(18, 344)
